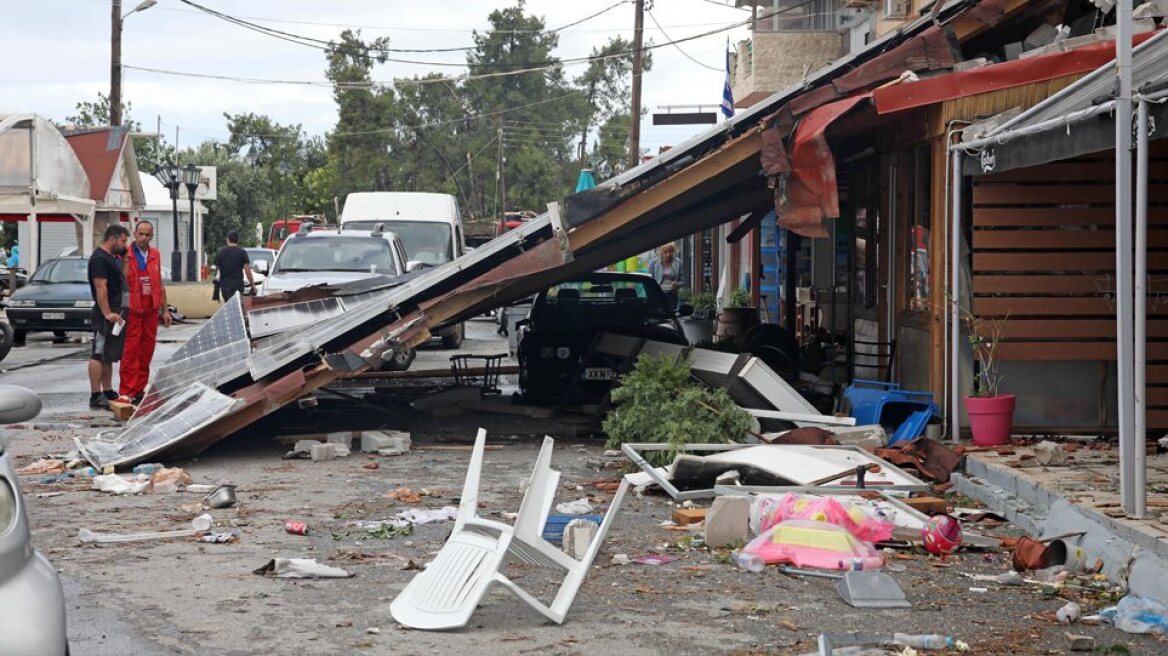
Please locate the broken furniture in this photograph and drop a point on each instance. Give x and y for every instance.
(861, 589)
(788, 467)
(903, 413)
(446, 593)
(467, 376)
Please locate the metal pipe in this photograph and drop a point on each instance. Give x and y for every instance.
(955, 304)
(1141, 311)
(1123, 253)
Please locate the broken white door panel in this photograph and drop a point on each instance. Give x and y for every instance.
(800, 464)
(802, 419)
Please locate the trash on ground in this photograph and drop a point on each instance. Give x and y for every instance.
(404, 495)
(295, 527)
(578, 535)
(655, 559)
(1050, 454)
(203, 522)
(1135, 614)
(855, 518)
(167, 481)
(300, 568)
(43, 466)
(411, 517)
(941, 535)
(121, 484)
(377, 441)
(224, 537)
(577, 507)
(222, 496)
(621, 559)
(810, 543)
(1080, 642)
(1069, 613)
(86, 535)
(727, 521)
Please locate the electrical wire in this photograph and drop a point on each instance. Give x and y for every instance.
(686, 54)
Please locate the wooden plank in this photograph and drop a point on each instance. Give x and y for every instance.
(1057, 239)
(1023, 194)
(1074, 328)
(1047, 262)
(1041, 351)
(1021, 306)
(1056, 172)
(1157, 419)
(1157, 396)
(1037, 285)
(1157, 373)
(1060, 216)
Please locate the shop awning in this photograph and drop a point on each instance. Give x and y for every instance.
(812, 195)
(1076, 121)
(994, 77)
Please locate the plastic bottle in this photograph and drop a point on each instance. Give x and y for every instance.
(87, 472)
(749, 562)
(923, 640)
(147, 468)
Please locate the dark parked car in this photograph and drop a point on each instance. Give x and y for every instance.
(55, 299)
(564, 321)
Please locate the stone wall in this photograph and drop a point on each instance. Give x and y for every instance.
(781, 59)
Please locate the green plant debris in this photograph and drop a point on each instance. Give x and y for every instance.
(659, 402)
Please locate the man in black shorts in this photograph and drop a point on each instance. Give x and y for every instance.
(107, 285)
(233, 264)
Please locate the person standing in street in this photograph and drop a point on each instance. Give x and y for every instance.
(233, 265)
(107, 286)
(143, 268)
(666, 270)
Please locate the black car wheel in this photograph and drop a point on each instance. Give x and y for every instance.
(5, 339)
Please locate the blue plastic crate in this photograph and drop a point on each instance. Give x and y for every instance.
(904, 413)
(553, 529)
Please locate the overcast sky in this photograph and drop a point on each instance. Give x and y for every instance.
(66, 45)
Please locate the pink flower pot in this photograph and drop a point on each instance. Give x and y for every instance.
(991, 420)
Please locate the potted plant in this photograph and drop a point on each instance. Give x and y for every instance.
(699, 326)
(738, 316)
(991, 413)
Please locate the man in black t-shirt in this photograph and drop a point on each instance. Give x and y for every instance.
(107, 285)
(233, 264)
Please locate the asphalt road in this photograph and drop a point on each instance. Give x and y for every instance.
(185, 597)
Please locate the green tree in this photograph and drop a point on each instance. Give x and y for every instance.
(363, 138)
(152, 152)
(607, 87)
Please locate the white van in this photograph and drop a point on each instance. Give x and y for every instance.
(429, 225)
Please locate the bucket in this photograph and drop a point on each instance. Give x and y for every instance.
(733, 322)
(991, 420)
(697, 331)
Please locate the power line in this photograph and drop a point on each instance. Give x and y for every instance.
(687, 56)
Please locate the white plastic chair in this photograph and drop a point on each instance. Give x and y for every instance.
(446, 593)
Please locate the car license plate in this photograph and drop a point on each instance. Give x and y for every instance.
(599, 373)
(53, 316)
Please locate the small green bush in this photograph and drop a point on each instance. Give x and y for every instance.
(740, 298)
(658, 402)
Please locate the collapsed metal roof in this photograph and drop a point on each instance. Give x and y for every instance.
(251, 359)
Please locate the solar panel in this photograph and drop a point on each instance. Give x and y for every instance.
(195, 406)
(269, 321)
(224, 327)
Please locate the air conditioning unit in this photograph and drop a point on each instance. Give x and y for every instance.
(897, 8)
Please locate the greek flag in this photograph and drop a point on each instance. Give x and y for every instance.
(727, 92)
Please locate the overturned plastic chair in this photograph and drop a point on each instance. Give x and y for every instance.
(446, 593)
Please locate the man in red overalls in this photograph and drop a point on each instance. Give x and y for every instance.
(143, 266)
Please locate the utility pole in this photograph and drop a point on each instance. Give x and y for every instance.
(635, 110)
(115, 96)
(502, 179)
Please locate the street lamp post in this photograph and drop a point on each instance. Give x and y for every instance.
(190, 178)
(116, 18)
(170, 175)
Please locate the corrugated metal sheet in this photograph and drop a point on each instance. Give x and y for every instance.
(1149, 62)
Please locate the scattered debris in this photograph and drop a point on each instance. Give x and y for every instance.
(577, 507)
(578, 535)
(1050, 454)
(168, 481)
(408, 518)
(86, 535)
(203, 522)
(687, 516)
(378, 441)
(727, 521)
(404, 495)
(117, 484)
(43, 466)
(295, 527)
(300, 568)
(620, 559)
(221, 538)
(655, 559)
(222, 496)
(1080, 642)
(1069, 613)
